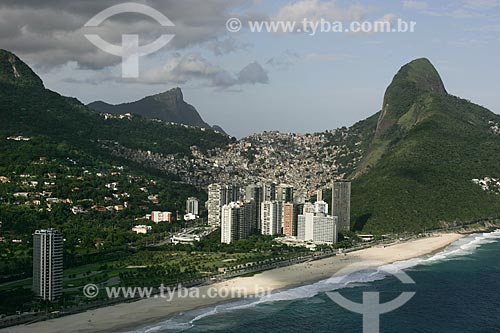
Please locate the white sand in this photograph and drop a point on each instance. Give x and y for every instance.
(128, 315)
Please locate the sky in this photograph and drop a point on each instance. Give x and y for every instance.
(248, 81)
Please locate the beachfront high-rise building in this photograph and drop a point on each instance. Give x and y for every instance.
(321, 207)
(284, 193)
(255, 193)
(230, 193)
(289, 224)
(299, 198)
(237, 221)
(320, 228)
(325, 228)
(229, 223)
(214, 204)
(218, 196)
(308, 208)
(271, 217)
(48, 264)
(291, 211)
(301, 225)
(246, 220)
(341, 204)
(319, 195)
(238, 192)
(192, 204)
(269, 192)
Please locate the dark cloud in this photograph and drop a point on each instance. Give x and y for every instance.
(284, 61)
(50, 33)
(224, 46)
(253, 73)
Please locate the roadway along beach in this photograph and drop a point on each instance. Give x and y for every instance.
(129, 315)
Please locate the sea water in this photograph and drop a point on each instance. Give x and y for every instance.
(456, 290)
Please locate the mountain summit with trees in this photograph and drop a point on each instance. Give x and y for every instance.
(167, 106)
(427, 148)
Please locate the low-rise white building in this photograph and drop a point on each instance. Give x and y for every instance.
(185, 239)
(157, 216)
(190, 217)
(142, 229)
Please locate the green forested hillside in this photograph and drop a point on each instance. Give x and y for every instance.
(427, 148)
(29, 111)
(58, 175)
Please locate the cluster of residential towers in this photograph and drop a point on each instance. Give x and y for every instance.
(272, 209)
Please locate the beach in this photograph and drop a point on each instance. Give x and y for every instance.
(126, 316)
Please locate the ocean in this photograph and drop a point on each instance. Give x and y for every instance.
(456, 290)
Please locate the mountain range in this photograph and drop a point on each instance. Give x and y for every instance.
(27, 108)
(167, 106)
(420, 164)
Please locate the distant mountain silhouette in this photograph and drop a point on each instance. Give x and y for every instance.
(167, 106)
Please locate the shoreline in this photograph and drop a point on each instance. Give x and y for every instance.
(137, 314)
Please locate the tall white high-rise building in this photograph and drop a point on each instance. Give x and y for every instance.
(48, 264)
(319, 228)
(269, 192)
(321, 207)
(271, 217)
(192, 204)
(237, 221)
(324, 228)
(219, 195)
(308, 208)
(305, 226)
(214, 205)
(229, 223)
(299, 198)
(255, 193)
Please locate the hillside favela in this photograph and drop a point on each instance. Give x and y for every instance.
(227, 166)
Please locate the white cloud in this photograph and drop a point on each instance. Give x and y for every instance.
(490, 28)
(316, 10)
(458, 9)
(379, 25)
(459, 13)
(469, 43)
(387, 18)
(414, 4)
(481, 4)
(223, 46)
(322, 57)
(182, 69)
